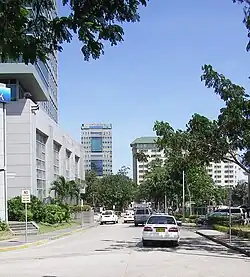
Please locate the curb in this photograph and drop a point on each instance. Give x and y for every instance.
(235, 248)
(44, 241)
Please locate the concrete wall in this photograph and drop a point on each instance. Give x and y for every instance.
(20, 148)
(22, 125)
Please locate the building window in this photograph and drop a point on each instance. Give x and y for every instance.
(56, 161)
(96, 144)
(76, 168)
(41, 164)
(97, 166)
(68, 154)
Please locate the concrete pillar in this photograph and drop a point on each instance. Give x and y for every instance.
(2, 190)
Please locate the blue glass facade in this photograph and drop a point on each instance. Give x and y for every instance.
(96, 144)
(97, 166)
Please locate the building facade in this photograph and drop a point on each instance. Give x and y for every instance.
(148, 146)
(97, 144)
(226, 173)
(38, 151)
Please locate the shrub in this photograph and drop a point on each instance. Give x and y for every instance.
(240, 231)
(224, 220)
(66, 212)
(78, 208)
(178, 216)
(3, 226)
(16, 210)
(54, 214)
(37, 208)
(29, 215)
(194, 216)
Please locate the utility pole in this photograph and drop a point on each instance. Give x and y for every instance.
(165, 204)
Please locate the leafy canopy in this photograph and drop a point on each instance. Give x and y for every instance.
(32, 30)
(225, 139)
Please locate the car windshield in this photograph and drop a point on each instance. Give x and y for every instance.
(142, 211)
(107, 213)
(161, 220)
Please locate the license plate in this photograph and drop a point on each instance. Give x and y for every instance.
(160, 230)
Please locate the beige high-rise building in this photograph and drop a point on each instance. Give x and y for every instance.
(226, 173)
(148, 146)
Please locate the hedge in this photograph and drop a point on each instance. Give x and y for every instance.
(224, 220)
(240, 231)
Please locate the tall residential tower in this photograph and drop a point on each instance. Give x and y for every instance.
(97, 145)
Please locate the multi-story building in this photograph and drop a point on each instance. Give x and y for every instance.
(97, 145)
(225, 173)
(37, 149)
(148, 146)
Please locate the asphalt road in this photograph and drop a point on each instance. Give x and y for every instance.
(116, 251)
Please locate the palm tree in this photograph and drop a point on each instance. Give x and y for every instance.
(65, 189)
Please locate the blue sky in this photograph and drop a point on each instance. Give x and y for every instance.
(155, 73)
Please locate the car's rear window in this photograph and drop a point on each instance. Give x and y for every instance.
(161, 220)
(142, 211)
(107, 213)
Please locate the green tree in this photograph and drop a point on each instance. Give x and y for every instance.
(159, 182)
(118, 190)
(200, 185)
(141, 157)
(225, 139)
(124, 170)
(239, 194)
(29, 34)
(65, 190)
(92, 183)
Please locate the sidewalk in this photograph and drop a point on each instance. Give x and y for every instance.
(18, 242)
(238, 244)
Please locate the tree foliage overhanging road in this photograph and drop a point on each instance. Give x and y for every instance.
(29, 33)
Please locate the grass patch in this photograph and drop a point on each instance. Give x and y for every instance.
(46, 228)
(4, 235)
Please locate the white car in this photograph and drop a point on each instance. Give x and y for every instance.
(128, 217)
(162, 228)
(109, 217)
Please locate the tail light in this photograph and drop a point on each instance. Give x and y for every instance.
(173, 229)
(147, 229)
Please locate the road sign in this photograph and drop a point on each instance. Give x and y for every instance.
(25, 196)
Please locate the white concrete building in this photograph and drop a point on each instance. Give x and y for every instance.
(38, 151)
(96, 139)
(148, 146)
(226, 173)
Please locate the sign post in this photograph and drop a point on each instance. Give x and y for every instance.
(81, 213)
(26, 200)
(82, 192)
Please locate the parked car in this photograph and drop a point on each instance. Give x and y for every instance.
(128, 217)
(235, 212)
(109, 217)
(162, 228)
(141, 215)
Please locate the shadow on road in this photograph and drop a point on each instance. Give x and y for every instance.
(195, 246)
